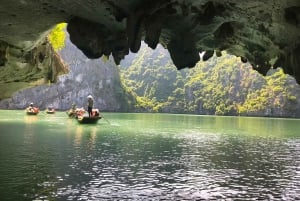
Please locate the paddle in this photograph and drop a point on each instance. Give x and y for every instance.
(105, 119)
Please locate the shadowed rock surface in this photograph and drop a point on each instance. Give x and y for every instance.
(264, 33)
(28, 69)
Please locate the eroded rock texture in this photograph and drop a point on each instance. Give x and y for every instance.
(265, 33)
(21, 69)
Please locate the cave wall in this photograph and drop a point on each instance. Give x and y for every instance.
(23, 69)
(264, 33)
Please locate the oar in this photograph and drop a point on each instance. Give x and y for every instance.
(105, 119)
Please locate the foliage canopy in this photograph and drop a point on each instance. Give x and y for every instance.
(57, 36)
(222, 86)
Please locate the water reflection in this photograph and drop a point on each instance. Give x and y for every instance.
(241, 166)
(30, 128)
(30, 119)
(118, 163)
(92, 135)
(151, 157)
(78, 136)
(272, 127)
(85, 132)
(185, 164)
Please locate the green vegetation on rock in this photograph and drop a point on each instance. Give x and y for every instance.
(222, 86)
(57, 36)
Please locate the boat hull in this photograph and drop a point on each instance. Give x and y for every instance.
(88, 120)
(50, 111)
(32, 111)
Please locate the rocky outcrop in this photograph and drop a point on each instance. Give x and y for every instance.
(99, 78)
(21, 69)
(264, 33)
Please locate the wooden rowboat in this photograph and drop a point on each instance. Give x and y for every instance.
(88, 120)
(32, 110)
(74, 113)
(50, 111)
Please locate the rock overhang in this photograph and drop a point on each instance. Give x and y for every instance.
(263, 33)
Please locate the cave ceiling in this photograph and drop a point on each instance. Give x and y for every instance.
(265, 33)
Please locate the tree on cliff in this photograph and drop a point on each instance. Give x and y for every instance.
(57, 36)
(222, 86)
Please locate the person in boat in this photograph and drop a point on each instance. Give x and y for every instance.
(30, 107)
(96, 113)
(50, 107)
(73, 108)
(90, 105)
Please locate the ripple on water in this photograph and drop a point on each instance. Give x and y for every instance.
(208, 167)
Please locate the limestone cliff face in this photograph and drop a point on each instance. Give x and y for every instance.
(222, 86)
(96, 77)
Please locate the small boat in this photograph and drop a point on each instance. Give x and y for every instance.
(93, 119)
(74, 113)
(32, 110)
(88, 120)
(50, 111)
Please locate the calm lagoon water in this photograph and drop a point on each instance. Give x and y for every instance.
(148, 157)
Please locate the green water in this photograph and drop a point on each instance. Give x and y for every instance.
(148, 157)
